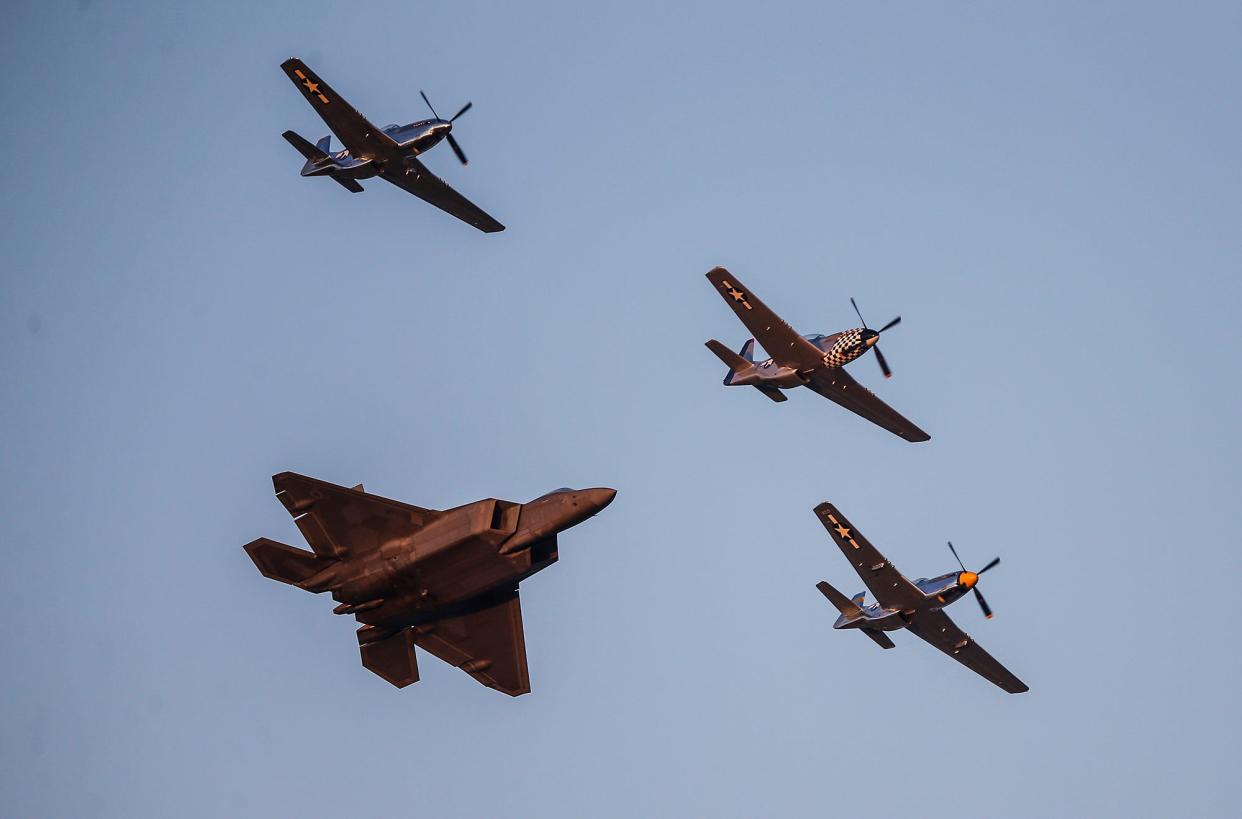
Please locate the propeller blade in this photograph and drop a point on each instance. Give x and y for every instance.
(859, 312)
(879, 356)
(959, 560)
(429, 105)
(983, 604)
(990, 565)
(463, 110)
(892, 323)
(457, 150)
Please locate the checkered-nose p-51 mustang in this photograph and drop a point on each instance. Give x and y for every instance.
(914, 605)
(390, 153)
(814, 361)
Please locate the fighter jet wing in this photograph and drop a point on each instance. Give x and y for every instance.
(416, 179)
(934, 626)
(780, 340)
(889, 587)
(337, 521)
(486, 643)
(837, 385)
(351, 128)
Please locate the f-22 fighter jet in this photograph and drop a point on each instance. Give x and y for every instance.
(917, 606)
(446, 582)
(391, 152)
(814, 361)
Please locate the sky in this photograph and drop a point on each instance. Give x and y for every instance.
(1048, 194)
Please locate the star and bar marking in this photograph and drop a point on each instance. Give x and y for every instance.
(736, 294)
(311, 87)
(843, 531)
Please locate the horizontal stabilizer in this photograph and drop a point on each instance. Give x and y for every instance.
(881, 639)
(279, 561)
(773, 393)
(845, 605)
(392, 658)
(311, 152)
(348, 184)
(731, 359)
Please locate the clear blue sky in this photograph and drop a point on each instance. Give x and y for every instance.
(1049, 196)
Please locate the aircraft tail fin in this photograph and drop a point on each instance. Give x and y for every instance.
(391, 658)
(732, 360)
(739, 362)
(313, 153)
(279, 561)
(844, 605)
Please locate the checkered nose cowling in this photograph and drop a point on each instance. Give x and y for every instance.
(847, 347)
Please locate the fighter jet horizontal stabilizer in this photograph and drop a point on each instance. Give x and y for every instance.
(279, 561)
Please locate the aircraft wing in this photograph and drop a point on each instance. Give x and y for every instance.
(337, 521)
(837, 385)
(776, 337)
(934, 626)
(416, 179)
(351, 128)
(889, 587)
(486, 643)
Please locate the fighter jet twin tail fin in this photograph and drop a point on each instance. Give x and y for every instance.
(740, 361)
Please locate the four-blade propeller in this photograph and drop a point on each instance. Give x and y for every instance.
(974, 578)
(461, 156)
(870, 337)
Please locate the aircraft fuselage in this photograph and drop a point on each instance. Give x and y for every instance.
(412, 140)
(839, 349)
(938, 592)
(455, 559)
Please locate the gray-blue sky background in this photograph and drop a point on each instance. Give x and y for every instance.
(1049, 197)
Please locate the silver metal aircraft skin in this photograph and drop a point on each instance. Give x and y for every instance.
(390, 152)
(917, 606)
(814, 361)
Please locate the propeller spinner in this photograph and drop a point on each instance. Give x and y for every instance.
(970, 579)
(870, 337)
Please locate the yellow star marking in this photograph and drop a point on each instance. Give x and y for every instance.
(737, 295)
(842, 531)
(312, 87)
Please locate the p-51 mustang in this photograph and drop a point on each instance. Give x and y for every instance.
(814, 361)
(917, 606)
(390, 152)
(446, 582)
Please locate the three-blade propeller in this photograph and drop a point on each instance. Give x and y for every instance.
(870, 337)
(983, 604)
(461, 155)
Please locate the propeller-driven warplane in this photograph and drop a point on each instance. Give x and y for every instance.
(814, 361)
(446, 582)
(917, 606)
(391, 152)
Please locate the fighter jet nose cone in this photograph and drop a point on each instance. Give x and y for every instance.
(601, 497)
